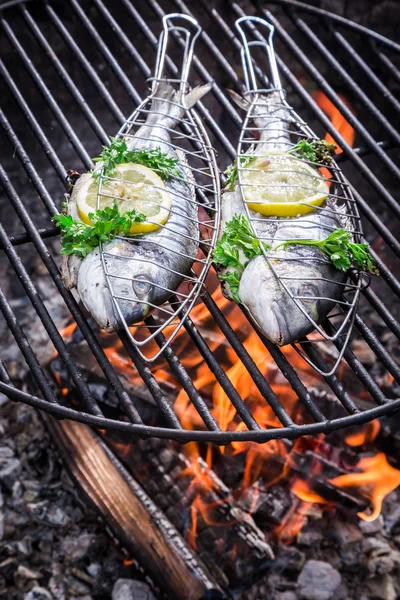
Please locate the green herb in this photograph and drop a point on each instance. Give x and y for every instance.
(231, 172)
(117, 153)
(80, 239)
(232, 278)
(341, 251)
(237, 237)
(316, 151)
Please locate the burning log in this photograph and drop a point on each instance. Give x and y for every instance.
(135, 519)
(196, 500)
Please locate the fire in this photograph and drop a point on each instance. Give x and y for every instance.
(364, 435)
(338, 121)
(374, 476)
(67, 331)
(302, 490)
(377, 478)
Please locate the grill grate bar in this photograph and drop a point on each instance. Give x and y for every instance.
(33, 123)
(366, 69)
(334, 97)
(289, 429)
(88, 68)
(358, 368)
(393, 70)
(47, 95)
(256, 375)
(26, 350)
(383, 312)
(372, 217)
(64, 76)
(355, 89)
(333, 382)
(182, 376)
(68, 298)
(386, 273)
(220, 374)
(41, 309)
(23, 238)
(150, 381)
(378, 349)
(102, 46)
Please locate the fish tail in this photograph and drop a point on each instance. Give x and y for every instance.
(166, 105)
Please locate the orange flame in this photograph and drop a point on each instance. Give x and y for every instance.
(377, 479)
(67, 331)
(338, 120)
(364, 435)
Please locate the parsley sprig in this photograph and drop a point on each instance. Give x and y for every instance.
(342, 252)
(117, 153)
(316, 151)
(237, 237)
(231, 172)
(80, 239)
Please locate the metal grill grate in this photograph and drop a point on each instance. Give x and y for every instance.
(113, 43)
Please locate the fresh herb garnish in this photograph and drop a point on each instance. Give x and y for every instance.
(117, 153)
(341, 251)
(232, 278)
(231, 172)
(316, 151)
(237, 237)
(107, 223)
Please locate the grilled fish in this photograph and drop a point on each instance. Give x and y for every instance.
(309, 276)
(143, 271)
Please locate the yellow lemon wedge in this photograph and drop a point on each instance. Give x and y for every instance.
(278, 184)
(131, 186)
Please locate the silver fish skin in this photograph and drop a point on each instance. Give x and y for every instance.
(144, 271)
(305, 270)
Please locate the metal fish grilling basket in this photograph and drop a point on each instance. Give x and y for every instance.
(197, 164)
(337, 328)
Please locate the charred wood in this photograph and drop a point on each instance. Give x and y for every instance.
(130, 513)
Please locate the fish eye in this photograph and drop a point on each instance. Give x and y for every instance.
(141, 286)
(309, 293)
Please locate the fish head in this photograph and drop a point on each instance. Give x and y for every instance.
(136, 285)
(273, 309)
(121, 286)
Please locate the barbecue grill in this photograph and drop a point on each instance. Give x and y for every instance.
(96, 43)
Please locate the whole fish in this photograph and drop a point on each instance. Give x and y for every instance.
(144, 271)
(304, 269)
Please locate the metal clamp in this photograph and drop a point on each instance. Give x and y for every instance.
(170, 24)
(247, 60)
(253, 142)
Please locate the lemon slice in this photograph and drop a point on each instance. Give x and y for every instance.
(132, 187)
(282, 185)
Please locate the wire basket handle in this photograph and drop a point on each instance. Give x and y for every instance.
(245, 53)
(171, 24)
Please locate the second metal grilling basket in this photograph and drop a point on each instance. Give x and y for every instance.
(190, 142)
(339, 327)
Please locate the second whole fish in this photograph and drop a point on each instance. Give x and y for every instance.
(304, 269)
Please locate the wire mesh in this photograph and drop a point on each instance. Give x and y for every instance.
(271, 174)
(143, 271)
